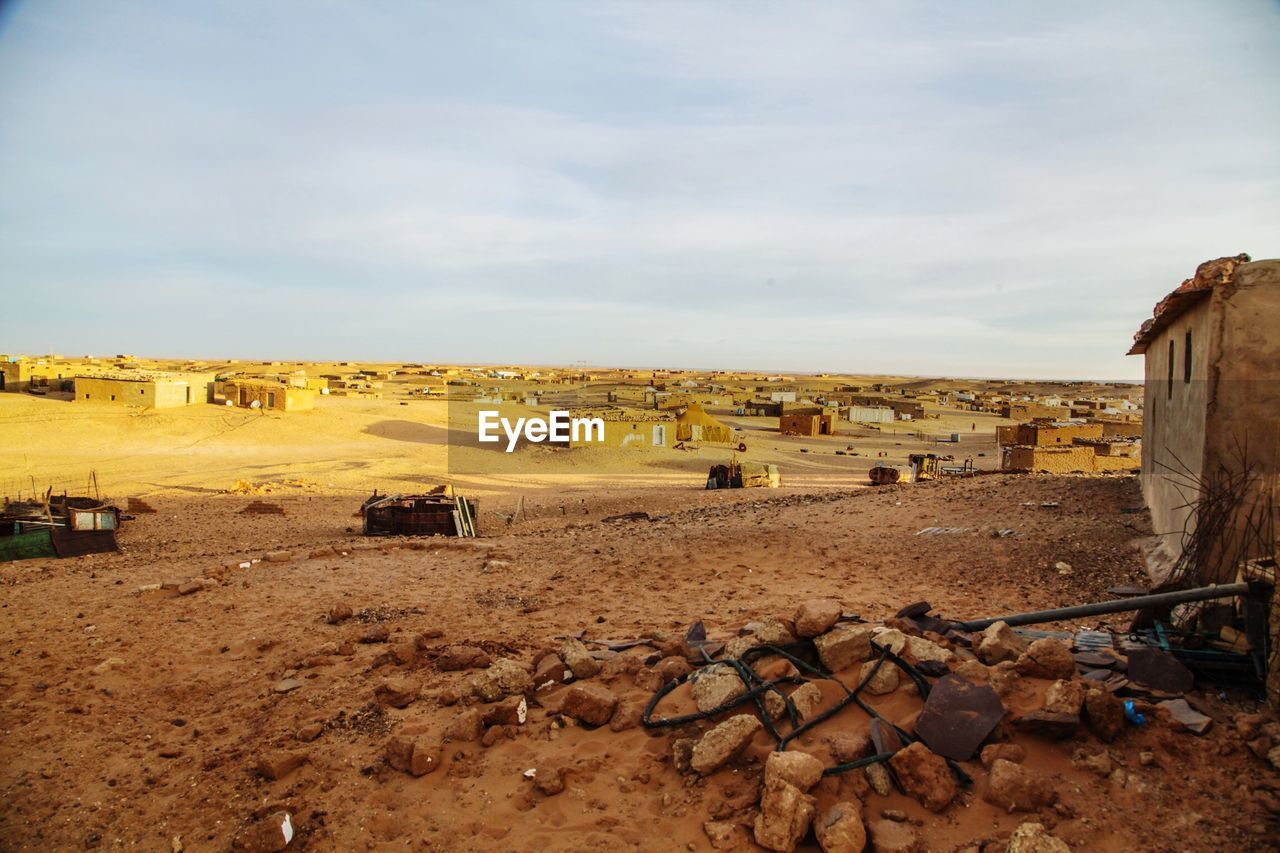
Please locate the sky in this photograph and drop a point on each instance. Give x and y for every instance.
(940, 189)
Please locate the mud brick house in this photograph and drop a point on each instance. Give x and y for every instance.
(146, 390)
(1211, 435)
(276, 396)
(807, 423)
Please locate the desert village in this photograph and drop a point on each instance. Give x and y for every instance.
(272, 605)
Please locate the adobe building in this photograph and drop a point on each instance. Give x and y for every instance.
(145, 390)
(627, 428)
(1211, 398)
(257, 394)
(807, 424)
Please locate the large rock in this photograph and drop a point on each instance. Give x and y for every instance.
(578, 659)
(504, 677)
(716, 686)
(1032, 838)
(1015, 789)
(889, 638)
(843, 646)
(921, 650)
(888, 836)
(816, 616)
(1065, 697)
(277, 765)
(884, 681)
(796, 768)
(511, 711)
(722, 743)
(1049, 724)
(551, 669)
(593, 704)
(806, 698)
(785, 815)
(999, 643)
(467, 726)
(925, 776)
(840, 829)
(1048, 659)
(849, 746)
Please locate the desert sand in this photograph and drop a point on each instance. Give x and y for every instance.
(181, 692)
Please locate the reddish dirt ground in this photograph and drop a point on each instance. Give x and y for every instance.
(135, 717)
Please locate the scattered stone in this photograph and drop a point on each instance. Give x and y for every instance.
(287, 684)
(309, 732)
(278, 556)
(549, 780)
(396, 692)
(511, 711)
(925, 776)
(878, 778)
(795, 768)
(1048, 724)
(551, 668)
(716, 686)
(922, 651)
(412, 755)
(593, 704)
(376, 633)
(682, 753)
(1000, 643)
(840, 829)
(1098, 763)
(504, 677)
(723, 742)
(806, 698)
(462, 657)
(883, 682)
(1104, 714)
(972, 670)
(888, 836)
(1013, 788)
(628, 715)
(893, 814)
(278, 765)
(816, 616)
(1065, 697)
(1146, 759)
(849, 746)
(578, 659)
(1032, 838)
(190, 587)
(726, 835)
(889, 638)
(785, 815)
(467, 726)
(666, 670)
(268, 835)
(1048, 659)
(843, 646)
(1003, 751)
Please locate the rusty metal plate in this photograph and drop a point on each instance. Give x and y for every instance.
(884, 737)
(1159, 670)
(958, 717)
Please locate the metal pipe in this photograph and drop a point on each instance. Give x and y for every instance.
(1123, 605)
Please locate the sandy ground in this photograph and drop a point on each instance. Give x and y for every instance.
(133, 717)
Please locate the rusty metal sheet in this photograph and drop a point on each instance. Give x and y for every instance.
(958, 717)
(884, 737)
(1159, 670)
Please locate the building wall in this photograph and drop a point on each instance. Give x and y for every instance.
(1046, 435)
(1173, 428)
(871, 414)
(145, 393)
(1243, 408)
(1052, 460)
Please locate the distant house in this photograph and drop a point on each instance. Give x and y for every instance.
(807, 424)
(627, 428)
(1210, 443)
(258, 394)
(148, 391)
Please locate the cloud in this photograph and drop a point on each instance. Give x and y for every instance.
(805, 186)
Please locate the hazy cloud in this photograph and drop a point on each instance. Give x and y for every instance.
(977, 189)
